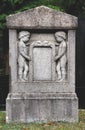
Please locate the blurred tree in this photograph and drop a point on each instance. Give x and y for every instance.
(74, 7)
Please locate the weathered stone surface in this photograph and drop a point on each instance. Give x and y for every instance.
(42, 96)
(51, 86)
(42, 66)
(42, 18)
(37, 107)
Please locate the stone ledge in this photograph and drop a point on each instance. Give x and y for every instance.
(42, 96)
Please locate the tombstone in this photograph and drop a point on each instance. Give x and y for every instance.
(42, 66)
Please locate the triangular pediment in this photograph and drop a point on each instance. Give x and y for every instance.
(42, 17)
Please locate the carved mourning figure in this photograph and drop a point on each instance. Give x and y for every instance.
(60, 58)
(23, 57)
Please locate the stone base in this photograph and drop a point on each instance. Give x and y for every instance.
(41, 107)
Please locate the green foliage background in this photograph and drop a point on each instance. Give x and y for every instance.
(74, 7)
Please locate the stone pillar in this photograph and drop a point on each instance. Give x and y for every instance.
(42, 66)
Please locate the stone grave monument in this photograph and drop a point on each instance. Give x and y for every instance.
(42, 66)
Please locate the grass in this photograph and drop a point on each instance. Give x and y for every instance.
(48, 126)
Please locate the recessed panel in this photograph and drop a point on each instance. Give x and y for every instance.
(42, 65)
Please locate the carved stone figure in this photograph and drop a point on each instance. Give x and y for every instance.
(23, 58)
(60, 58)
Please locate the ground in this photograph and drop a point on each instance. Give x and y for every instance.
(44, 126)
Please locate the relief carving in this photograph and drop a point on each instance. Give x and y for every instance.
(61, 56)
(23, 56)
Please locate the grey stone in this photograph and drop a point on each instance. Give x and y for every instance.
(42, 66)
(23, 55)
(61, 56)
(42, 17)
(43, 107)
(42, 97)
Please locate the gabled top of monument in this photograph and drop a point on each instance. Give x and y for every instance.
(42, 17)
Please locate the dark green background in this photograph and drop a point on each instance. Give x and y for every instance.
(74, 7)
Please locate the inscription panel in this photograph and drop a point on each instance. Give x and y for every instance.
(42, 63)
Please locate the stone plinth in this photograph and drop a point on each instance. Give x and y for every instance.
(38, 107)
